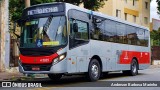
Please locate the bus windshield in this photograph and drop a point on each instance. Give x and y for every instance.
(44, 32)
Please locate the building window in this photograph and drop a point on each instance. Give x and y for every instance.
(133, 2)
(146, 5)
(134, 18)
(126, 1)
(125, 16)
(118, 13)
(146, 20)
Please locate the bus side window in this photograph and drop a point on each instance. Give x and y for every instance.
(98, 32)
(121, 33)
(82, 30)
(146, 36)
(132, 35)
(143, 36)
(110, 31)
(71, 28)
(81, 36)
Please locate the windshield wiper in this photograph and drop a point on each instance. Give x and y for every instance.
(48, 22)
(46, 25)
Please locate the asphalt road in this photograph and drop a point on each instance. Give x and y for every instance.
(80, 82)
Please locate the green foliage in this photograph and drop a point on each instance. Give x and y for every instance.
(155, 37)
(94, 4)
(155, 34)
(16, 7)
(34, 2)
(89, 4)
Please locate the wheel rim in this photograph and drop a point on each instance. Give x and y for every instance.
(134, 67)
(94, 70)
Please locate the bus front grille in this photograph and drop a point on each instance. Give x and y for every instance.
(44, 67)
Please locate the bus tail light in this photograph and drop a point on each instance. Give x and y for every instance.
(59, 58)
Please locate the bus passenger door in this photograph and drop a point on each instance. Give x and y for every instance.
(79, 45)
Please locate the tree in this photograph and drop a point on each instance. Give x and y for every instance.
(89, 4)
(16, 7)
(155, 36)
(34, 2)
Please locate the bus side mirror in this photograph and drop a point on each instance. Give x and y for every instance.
(75, 27)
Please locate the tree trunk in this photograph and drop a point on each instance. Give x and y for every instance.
(27, 3)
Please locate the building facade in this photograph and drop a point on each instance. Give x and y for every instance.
(155, 24)
(135, 11)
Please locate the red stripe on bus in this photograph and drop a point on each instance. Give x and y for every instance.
(38, 59)
(127, 56)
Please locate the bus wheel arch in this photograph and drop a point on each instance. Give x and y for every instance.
(94, 68)
(98, 59)
(133, 70)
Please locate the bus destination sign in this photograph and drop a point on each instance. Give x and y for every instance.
(43, 10)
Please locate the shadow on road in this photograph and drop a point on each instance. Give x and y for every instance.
(73, 81)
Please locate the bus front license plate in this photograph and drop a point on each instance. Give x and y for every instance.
(35, 68)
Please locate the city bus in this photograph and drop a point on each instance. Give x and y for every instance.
(61, 39)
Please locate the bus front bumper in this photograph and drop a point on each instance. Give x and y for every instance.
(60, 67)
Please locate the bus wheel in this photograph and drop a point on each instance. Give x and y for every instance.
(94, 70)
(134, 68)
(55, 77)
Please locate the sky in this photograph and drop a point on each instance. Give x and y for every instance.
(153, 11)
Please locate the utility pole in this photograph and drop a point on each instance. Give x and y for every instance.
(0, 38)
(5, 35)
(27, 3)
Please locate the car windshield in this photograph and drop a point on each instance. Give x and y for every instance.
(44, 32)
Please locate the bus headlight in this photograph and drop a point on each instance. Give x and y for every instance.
(62, 57)
(59, 58)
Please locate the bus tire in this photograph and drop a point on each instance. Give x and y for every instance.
(134, 68)
(94, 70)
(55, 77)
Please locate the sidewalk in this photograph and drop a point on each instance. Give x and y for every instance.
(4, 76)
(154, 66)
(15, 75)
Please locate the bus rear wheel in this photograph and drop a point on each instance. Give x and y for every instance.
(133, 68)
(94, 70)
(55, 77)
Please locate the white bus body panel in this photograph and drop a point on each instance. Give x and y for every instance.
(107, 51)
